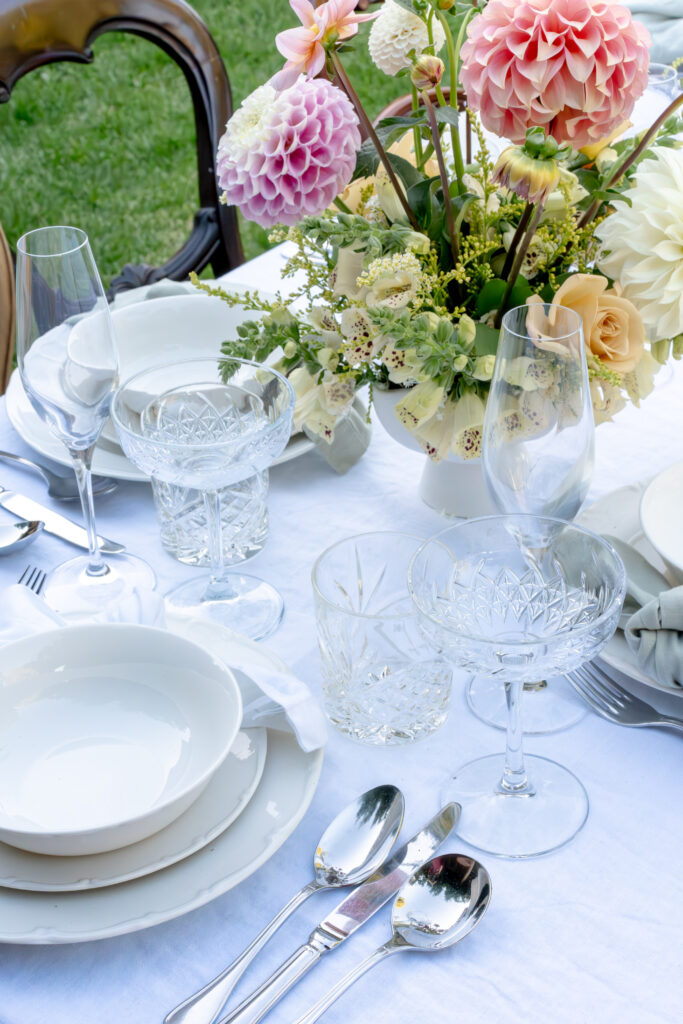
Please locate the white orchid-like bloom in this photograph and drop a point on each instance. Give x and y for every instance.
(392, 281)
(362, 340)
(396, 33)
(319, 406)
(643, 244)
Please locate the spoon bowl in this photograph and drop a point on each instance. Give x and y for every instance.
(359, 839)
(14, 536)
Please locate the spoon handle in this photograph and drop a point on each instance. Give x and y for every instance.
(316, 1012)
(205, 1005)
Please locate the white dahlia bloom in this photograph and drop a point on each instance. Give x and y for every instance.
(395, 33)
(643, 244)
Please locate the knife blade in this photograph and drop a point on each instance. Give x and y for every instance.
(55, 523)
(353, 911)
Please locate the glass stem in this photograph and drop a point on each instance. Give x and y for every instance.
(219, 587)
(82, 461)
(514, 778)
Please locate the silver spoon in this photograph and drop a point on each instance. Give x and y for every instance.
(439, 905)
(14, 536)
(62, 488)
(351, 849)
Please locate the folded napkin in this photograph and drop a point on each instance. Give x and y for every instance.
(285, 702)
(351, 433)
(652, 617)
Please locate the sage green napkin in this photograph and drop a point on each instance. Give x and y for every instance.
(652, 618)
(352, 432)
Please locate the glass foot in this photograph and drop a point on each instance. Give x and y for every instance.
(247, 604)
(546, 707)
(71, 591)
(517, 825)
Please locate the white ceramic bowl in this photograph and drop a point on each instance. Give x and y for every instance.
(661, 517)
(107, 734)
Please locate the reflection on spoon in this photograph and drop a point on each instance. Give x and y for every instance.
(14, 536)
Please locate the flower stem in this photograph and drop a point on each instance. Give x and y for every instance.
(372, 134)
(517, 265)
(419, 159)
(453, 63)
(445, 185)
(630, 158)
(521, 228)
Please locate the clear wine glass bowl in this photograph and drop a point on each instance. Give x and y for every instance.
(483, 602)
(537, 457)
(68, 365)
(207, 424)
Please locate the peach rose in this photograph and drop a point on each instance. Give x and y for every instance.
(612, 326)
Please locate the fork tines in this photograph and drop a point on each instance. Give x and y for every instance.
(33, 578)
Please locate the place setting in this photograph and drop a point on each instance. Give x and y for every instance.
(332, 594)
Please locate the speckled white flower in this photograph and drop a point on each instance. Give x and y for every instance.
(319, 405)
(395, 33)
(643, 244)
(392, 281)
(362, 341)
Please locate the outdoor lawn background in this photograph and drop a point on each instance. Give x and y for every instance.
(109, 147)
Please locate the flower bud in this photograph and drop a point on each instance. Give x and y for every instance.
(677, 350)
(427, 72)
(459, 363)
(483, 367)
(531, 178)
(327, 358)
(290, 349)
(467, 330)
(445, 5)
(660, 350)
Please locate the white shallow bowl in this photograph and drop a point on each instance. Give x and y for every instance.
(107, 734)
(661, 517)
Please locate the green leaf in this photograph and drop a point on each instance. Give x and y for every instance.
(490, 296)
(408, 174)
(407, 4)
(520, 293)
(392, 128)
(447, 115)
(486, 340)
(367, 161)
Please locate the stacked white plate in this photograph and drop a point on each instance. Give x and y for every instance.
(251, 804)
(148, 333)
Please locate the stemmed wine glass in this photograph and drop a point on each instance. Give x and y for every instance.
(207, 424)
(489, 607)
(68, 366)
(537, 457)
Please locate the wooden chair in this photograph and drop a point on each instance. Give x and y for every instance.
(38, 32)
(6, 312)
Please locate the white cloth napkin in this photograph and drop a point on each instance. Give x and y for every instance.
(286, 704)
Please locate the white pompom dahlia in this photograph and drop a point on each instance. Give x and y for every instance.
(395, 33)
(288, 154)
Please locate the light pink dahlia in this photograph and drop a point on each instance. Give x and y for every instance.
(287, 154)
(574, 67)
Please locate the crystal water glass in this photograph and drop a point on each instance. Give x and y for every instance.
(67, 360)
(537, 457)
(208, 424)
(381, 681)
(489, 608)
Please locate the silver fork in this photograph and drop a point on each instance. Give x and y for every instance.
(33, 578)
(615, 703)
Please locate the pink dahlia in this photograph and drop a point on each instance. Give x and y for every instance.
(574, 67)
(287, 154)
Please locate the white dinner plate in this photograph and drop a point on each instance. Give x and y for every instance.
(282, 797)
(618, 514)
(223, 800)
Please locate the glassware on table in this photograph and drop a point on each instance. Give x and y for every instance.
(207, 424)
(381, 681)
(537, 457)
(663, 85)
(181, 514)
(491, 609)
(68, 365)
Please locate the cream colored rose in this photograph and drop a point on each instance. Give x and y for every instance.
(612, 326)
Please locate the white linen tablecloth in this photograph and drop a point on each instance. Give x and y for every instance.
(591, 933)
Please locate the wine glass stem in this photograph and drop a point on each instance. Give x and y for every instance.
(514, 778)
(82, 460)
(212, 504)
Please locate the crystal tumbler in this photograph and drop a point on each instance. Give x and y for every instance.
(382, 683)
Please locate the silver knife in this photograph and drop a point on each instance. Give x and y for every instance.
(353, 911)
(59, 525)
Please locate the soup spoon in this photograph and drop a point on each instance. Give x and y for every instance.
(14, 536)
(351, 849)
(439, 905)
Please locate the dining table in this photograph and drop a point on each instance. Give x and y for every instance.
(590, 934)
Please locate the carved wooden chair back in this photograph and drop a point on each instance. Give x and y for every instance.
(6, 312)
(38, 32)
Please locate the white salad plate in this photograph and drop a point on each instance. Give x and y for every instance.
(168, 329)
(661, 518)
(283, 795)
(618, 515)
(223, 800)
(108, 732)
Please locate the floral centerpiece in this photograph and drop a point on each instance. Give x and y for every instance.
(410, 253)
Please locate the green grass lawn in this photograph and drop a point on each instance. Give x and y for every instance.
(110, 146)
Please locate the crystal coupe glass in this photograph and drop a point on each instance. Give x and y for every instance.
(68, 365)
(207, 424)
(537, 457)
(491, 609)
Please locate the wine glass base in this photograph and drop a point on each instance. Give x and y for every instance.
(248, 605)
(517, 825)
(550, 708)
(73, 592)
